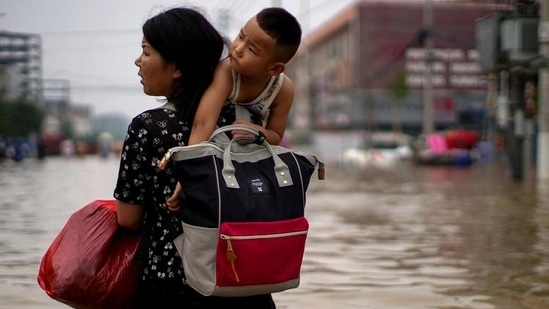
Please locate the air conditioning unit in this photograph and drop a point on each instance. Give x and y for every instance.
(519, 38)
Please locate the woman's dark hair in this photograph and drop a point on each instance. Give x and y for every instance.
(185, 37)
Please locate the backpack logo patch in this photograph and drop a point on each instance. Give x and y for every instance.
(258, 185)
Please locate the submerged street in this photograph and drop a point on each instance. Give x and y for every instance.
(413, 237)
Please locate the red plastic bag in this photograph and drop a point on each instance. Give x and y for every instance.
(90, 264)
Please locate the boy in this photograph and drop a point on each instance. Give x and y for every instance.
(252, 76)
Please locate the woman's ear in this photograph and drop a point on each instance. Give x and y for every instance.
(277, 68)
(176, 74)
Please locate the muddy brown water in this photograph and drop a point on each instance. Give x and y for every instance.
(413, 237)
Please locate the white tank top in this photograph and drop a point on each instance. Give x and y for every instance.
(259, 106)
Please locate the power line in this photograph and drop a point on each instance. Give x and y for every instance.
(98, 31)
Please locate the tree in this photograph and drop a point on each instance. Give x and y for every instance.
(398, 90)
(20, 118)
(67, 129)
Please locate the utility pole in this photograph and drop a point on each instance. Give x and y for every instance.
(428, 121)
(304, 106)
(542, 170)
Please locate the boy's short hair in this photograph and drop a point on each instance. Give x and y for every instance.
(284, 28)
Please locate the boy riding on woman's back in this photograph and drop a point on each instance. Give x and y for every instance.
(252, 76)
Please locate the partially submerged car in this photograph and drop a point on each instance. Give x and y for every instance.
(379, 150)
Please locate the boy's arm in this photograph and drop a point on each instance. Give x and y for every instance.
(211, 103)
(279, 113)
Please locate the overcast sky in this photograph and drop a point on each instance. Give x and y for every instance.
(93, 43)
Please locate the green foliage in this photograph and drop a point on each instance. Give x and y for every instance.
(19, 118)
(67, 129)
(398, 89)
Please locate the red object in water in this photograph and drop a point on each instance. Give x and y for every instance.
(464, 139)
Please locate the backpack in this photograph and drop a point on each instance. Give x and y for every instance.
(243, 213)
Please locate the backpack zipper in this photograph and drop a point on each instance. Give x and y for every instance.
(231, 255)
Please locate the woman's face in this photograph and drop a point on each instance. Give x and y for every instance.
(157, 75)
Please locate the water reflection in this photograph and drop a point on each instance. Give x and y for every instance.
(429, 237)
(417, 238)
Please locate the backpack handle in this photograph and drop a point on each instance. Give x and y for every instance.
(217, 135)
(281, 170)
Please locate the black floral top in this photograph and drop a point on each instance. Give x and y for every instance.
(140, 182)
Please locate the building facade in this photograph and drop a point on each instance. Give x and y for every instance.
(368, 67)
(21, 66)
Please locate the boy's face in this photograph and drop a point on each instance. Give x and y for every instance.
(252, 51)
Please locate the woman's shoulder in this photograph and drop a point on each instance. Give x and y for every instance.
(154, 119)
(161, 123)
(155, 113)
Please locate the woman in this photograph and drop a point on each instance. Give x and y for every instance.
(180, 51)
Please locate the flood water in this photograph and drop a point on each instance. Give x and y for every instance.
(415, 237)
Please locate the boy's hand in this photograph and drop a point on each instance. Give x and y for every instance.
(173, 201)
(240, 133)
(243, 122)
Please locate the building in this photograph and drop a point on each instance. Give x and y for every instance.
(21, 79)
(366, 68)
(21, 66)
(57, 97)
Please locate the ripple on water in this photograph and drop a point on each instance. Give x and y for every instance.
(425, 238)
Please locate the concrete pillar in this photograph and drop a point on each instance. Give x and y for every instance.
(515, 132)
(542, 169)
